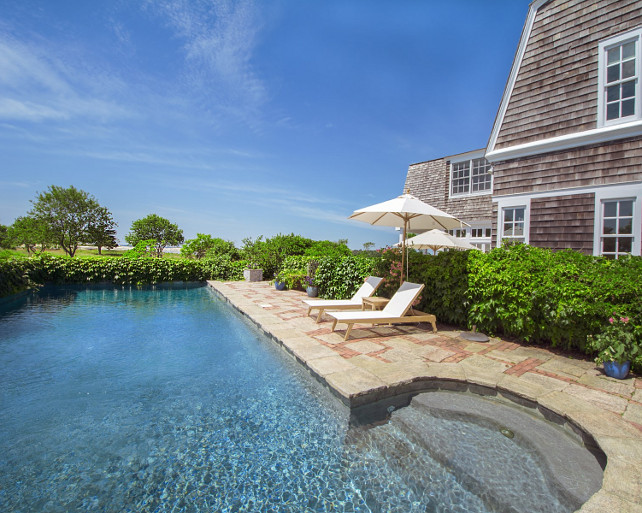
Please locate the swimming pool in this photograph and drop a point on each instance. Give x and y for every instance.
(167, 400)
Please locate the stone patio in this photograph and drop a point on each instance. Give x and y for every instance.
(381, 362)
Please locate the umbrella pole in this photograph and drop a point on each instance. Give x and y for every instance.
(403, 250)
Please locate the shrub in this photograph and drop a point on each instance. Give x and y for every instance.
(340, 277)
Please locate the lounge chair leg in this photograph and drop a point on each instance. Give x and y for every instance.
(320, 315)
(334, 324)
(309, 310)
(348, 332)
(434, 326)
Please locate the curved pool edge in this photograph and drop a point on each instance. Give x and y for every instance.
(357, 386)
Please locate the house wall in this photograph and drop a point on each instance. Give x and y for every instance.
(564, 222)
(429, 181)
(556, 88)
(609, 163)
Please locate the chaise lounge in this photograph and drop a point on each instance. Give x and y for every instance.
(397, 311)
(366, 290)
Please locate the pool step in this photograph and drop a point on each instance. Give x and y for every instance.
(531, 465)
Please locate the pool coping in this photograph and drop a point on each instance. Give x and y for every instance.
(370, 381)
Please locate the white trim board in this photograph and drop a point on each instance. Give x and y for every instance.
(564, 142)
(512, 77)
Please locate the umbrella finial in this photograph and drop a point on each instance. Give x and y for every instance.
(407, 191)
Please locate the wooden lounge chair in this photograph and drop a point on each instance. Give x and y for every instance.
(366, 290)
(397, 311)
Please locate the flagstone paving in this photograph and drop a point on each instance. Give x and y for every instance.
(379, 362)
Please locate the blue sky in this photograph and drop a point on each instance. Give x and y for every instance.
(240, 118)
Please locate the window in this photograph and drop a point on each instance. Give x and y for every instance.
(459, 232)
(479, 233)
(617, 228)
(619, 79)
(470, 177)
(513, 224)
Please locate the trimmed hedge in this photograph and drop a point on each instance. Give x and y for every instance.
(340, 277)
(538, 295)
(23, 273)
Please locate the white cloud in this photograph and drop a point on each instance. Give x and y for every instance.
(219, 38)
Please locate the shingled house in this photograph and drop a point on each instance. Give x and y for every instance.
(460, 185)
(566, 146)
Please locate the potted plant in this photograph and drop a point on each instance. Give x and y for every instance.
(251, 253)
(280, 281)
(617, 345)
(311, 287)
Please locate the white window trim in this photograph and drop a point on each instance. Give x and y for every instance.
(469, 157)
(631, 35)
(511, 202)
(629, 191)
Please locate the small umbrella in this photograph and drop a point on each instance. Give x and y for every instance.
(436, 239)
(408, 212)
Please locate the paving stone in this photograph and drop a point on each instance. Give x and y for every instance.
(329, 365)
(390, 373)
(621, 387)
(307, 349)
(605, 502)
(529, 390)
(625, 449)
(624, 479)
(475, 347)
(634, 414)
(544, 381)
(637, 395)
(483, 371)
(508, 356)
(399, 355)
(364, 346)
(435, 354)
(354, 382)
(602, 399)
(563, 367)
(534, 352)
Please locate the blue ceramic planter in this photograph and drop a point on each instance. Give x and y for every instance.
(312, 291)
(279, 285)
(617, 370)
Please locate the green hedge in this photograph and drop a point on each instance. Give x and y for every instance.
(339, 277)
(20, 274)
(538, 295)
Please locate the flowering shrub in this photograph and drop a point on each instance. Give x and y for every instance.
(619, 341)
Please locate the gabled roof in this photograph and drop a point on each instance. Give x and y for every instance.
(512, 77)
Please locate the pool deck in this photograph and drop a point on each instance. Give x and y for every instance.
(379, 362)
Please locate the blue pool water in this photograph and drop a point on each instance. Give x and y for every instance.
(168, 400)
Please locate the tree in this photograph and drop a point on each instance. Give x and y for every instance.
(69, 214)
(5, 243)
(367, 246)
(158, 228)
(101, 232)
(204, 245)
(30, 233)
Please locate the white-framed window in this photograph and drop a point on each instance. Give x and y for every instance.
(470, 176)
(513, 227)
(458, 232)
(617, 236)
(480, 233)
(620, 69)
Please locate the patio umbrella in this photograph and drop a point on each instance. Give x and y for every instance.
(437, 239)
(407, 212)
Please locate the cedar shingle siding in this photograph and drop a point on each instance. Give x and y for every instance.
(429, 181)
(555, 91)
(608, 163)
(564, 222)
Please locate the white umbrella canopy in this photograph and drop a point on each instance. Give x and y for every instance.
(407, 212)
(436, 239)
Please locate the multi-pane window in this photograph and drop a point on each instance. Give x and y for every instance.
(513, 224)
(620, 78)
(617, 227)
(478, 233)
(470, 176)
(459, 232)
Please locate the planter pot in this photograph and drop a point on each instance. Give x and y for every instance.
(279, 285)
(312, 291)
(253, 274)
(617, 370)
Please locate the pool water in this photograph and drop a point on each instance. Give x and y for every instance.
(164, 400)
